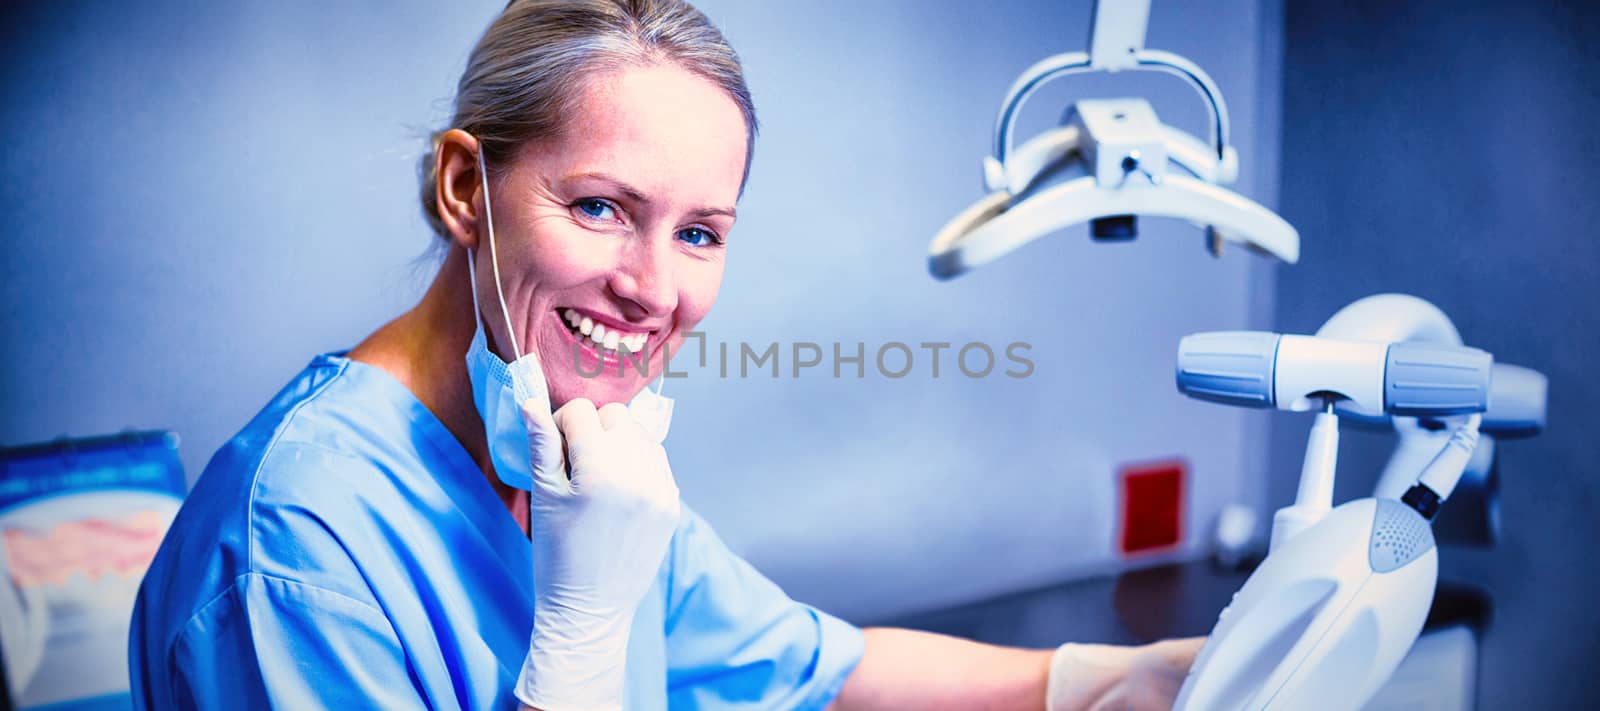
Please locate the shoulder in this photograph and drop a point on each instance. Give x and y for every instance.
(292, 495)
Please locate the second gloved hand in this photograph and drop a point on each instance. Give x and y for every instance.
(599, 537)
(1099, 677)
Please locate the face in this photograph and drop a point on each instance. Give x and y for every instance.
(611, 239)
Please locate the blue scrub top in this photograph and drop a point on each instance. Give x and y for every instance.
(345, 552)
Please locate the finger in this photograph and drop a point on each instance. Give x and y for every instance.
(546, 452)
(577, 419)
(1178, 652)
(614, 415)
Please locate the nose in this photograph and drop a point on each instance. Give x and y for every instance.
(644, 279)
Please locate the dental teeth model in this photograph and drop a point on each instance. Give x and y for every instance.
(602, 338)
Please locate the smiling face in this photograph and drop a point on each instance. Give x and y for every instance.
(615, 229)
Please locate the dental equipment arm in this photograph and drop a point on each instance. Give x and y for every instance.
(1293, 372)
(1517, 398)
(1517, 395)
(1439, 478)
(1261, 369)
(1125, 152)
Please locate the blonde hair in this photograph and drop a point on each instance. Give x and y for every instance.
(525, 76)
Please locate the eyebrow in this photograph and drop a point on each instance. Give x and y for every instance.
(637, 195)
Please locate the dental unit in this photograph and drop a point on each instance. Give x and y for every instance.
(1517, 395)
(1343, 592)
(1130, 163)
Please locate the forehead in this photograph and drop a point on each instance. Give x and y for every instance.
(670, 132)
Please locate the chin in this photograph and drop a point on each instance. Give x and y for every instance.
(600, 389)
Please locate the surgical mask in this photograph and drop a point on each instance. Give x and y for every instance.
(500, 388)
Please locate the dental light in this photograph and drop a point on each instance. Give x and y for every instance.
(1344, 592)
(1134, 165)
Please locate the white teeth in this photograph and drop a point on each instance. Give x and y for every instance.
(604, 338)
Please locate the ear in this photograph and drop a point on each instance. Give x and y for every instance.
(458, 188)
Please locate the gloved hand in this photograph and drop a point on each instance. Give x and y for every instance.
(1095, 677)
(598, 541)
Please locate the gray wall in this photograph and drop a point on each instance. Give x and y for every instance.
(1446, 149)
(204, 196)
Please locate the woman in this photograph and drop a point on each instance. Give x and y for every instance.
(365, 541)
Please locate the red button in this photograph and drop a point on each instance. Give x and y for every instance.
(1152, 505)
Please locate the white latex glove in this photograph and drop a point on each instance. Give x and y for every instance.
(1098, 677)
(598, 541)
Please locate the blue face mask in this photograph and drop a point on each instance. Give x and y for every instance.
(499, 388)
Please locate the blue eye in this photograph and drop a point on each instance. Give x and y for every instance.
(697, 237)
(596, 208)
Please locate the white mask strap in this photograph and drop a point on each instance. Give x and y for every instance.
(472, 278)
(494, 259)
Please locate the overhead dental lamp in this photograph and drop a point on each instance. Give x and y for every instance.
(1343, 593)
(1131, 164)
